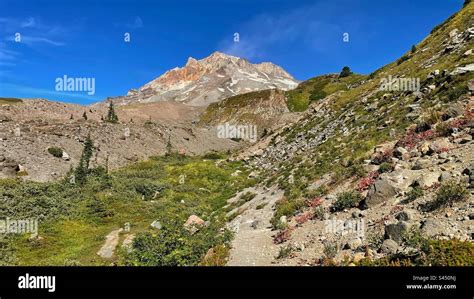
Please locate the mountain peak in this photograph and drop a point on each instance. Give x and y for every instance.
(211, 79)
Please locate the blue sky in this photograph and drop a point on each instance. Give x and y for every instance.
(86, 38)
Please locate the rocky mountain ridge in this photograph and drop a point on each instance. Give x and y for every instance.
(208, 80)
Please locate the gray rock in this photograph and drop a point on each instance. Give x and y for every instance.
(421, 164)
(396, 231)
(379, 192)
(401, 153)
(432, 227)
(156, 224)
(428, 179)
(405, 215)
(66, 156)
(389, 247)
(254, 224)
(445, 176)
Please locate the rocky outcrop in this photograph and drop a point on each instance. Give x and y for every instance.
(379, 193)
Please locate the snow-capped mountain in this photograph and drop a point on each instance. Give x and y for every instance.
(216, 77)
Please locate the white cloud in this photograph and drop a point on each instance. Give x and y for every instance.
(135, 24)
(30, 22)
(33, 40)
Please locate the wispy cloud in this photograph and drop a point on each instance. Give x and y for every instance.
(34, 40)
(136, 23)
(7, 57)
(265, 31)
(30, 22)
(33, 31)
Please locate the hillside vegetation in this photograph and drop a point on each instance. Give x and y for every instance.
(74, 219)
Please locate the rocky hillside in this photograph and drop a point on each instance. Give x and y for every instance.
(29, 129)
(209, 80)
(398, 161)
(266, 109)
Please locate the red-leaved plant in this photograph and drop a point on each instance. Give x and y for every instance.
(366, 182)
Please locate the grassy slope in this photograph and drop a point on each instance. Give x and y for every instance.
(317, 88)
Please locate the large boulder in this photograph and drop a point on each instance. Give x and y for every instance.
(428, 179)
(193, 224)
(432, 227)
(379, 193)
(389, 247)
(396, 231)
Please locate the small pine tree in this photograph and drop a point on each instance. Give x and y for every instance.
(413, 49)
(169, 147)
(346, 71)
(111, 115)
(84, 115)
(82, 169)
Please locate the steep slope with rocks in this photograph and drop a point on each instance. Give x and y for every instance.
(209, 80)
(395, 162)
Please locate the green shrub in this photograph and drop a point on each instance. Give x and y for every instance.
(97, 208)
(330, 250)
(147, 188)
(413, 194)
(385, 167)
(430, 253)
(347, 200)
(174, 246)
(56, 151)
(449, 193)
(449, 253)
(284, 252)
(455, 93)
(313, 193)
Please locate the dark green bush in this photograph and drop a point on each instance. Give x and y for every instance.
(346, 200)
(55, 151)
